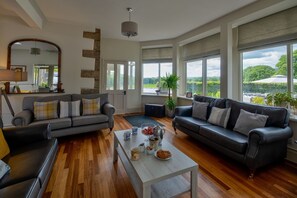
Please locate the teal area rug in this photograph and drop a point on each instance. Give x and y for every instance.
(138, 120)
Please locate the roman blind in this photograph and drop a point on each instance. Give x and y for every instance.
(164, 53)
(279, 27)
(204, 47)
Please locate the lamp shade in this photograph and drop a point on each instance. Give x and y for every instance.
(20, 76)
(35, 51)
(7, 75)
(129, 28)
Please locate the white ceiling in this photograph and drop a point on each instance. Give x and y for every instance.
(157, 19)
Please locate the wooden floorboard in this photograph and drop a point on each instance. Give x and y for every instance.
(84, 168)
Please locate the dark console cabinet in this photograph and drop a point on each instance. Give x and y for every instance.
(155, 110)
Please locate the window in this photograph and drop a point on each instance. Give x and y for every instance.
(46, 76)
(110, 77)
(131, 75)
(203, 76)
(152, 72)
(265, 72)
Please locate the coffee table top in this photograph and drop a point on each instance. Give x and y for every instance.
(148, 167)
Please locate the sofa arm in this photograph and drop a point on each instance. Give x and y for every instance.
(266, 145)
(271, 134)
(23, 118)
(109, 110)
(18, 136)
(183, 111)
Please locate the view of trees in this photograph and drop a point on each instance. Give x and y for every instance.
(258, 72)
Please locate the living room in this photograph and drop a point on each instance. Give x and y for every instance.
(225, 36)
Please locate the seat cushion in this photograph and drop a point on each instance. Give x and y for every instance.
(230, 139)
(30, 161)
(59, 123)
(28, 188)
(190, 123)
(89, 119)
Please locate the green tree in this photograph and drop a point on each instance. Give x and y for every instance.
(282, 65)
(258, 72)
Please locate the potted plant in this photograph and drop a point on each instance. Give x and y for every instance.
(170, 82)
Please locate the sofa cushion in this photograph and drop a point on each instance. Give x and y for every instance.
(199, 110)
(89, 119)
(37, 156)
(59, 123)
(29, 100)
(46, 110)
(213, 102)
(277, 116)
(247, 121)
(230, 139)
(91, 106)
(219, 116)
(103, 99)
(69, 109)
(28, 188)
(190, 123)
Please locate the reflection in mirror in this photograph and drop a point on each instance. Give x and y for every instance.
(40, 62)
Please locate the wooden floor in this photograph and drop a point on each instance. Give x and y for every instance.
(84, 168)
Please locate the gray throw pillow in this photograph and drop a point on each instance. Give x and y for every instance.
(219, 116)
(247, 121)
(199, 110)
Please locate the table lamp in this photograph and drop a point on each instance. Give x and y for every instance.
(6, 76)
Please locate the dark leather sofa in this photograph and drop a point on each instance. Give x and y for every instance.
(31, 159)
(261, 147)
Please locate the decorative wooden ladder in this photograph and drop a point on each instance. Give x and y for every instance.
(95, 53)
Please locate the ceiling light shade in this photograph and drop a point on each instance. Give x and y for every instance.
(35, 51)
(129, 28)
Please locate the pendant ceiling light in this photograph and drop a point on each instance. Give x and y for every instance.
(129, 28)
(35, 50)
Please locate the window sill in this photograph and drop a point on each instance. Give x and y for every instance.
(154, 95)
(185, 98)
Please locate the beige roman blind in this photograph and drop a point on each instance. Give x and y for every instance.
(279, 27)
(164, 53)
(204, 47)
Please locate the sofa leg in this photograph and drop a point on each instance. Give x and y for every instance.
(175, 130)
(110, 130)
(252, 174)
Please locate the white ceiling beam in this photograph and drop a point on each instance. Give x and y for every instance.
(29, 11)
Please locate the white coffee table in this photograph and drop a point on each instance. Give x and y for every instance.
(152, 177)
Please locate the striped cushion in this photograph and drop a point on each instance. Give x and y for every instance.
(91, 106)
(219, 116)
(46, 110)
(69, 109)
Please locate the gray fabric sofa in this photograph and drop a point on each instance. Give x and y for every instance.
(261, 147)
(69, 125)
(31, 160)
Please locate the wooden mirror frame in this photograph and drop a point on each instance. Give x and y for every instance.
(59, 86)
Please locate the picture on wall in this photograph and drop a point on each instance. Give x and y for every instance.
(22, 68)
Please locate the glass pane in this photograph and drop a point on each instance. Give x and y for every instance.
(150, 77)
(131, 75)
(294, 60)
(264, 72)
(120, 76)
(194, 77)
(110, 77)
(213, 67)
(166, 68)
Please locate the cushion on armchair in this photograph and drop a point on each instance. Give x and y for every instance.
(46, 110)
(4, 149)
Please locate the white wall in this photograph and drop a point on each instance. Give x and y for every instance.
(71, 41)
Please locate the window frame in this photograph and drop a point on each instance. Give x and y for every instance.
(289, 53)
(159, 62)
(204, 72)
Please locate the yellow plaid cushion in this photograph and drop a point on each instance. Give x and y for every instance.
(4, 149)
(91, 106)
(46, 110)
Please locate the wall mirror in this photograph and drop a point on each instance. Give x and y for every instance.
(40, 62)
